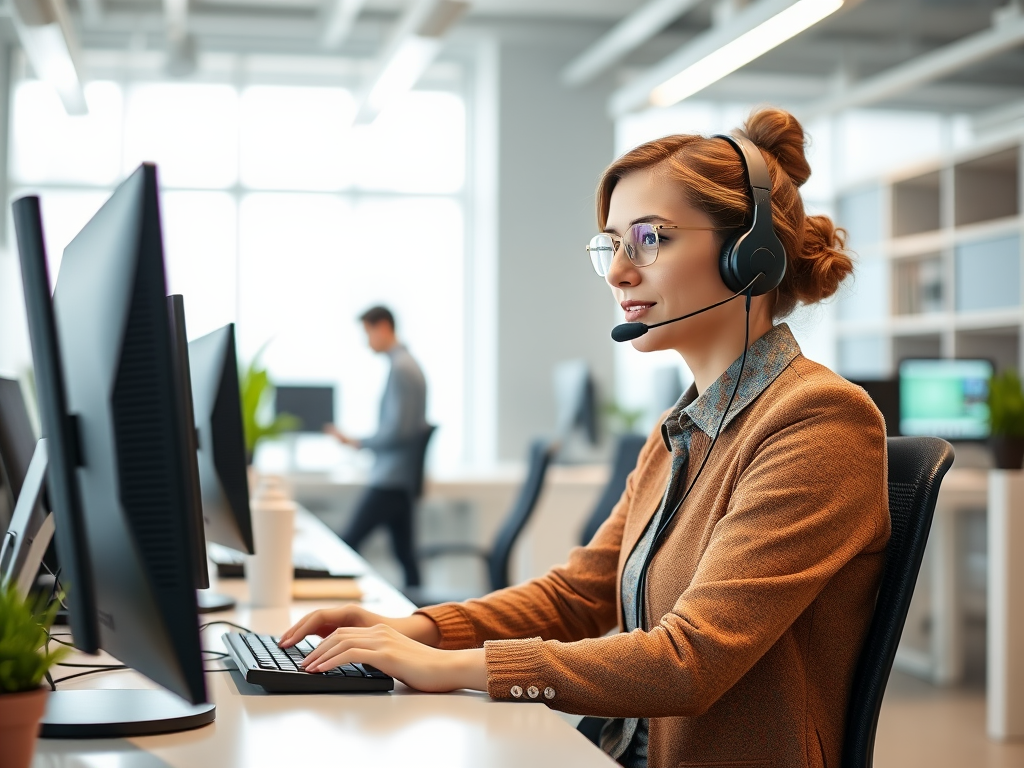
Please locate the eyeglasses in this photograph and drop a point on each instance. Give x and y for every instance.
(641, 241)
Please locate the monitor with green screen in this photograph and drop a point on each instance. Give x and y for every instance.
(945, 398)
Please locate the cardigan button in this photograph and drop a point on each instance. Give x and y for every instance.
(532, 692)
(516, 691)
(549, 693)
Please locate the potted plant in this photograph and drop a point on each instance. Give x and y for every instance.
(24, 660)
(256, 387)
(1006, 419)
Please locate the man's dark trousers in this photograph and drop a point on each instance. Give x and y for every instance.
(391, 508)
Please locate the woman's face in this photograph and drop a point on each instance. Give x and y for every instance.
(682, 279)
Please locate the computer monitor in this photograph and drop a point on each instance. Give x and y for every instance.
(19, 550)
(885, 393)
(207, 602)
(17, 446)
(17, 438)
(313, 406)
(56, 455)
(223, 474)
(575, 401)
(945, 398)
(110, 381)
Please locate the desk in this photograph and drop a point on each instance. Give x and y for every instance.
(404, 728)
(938, 655)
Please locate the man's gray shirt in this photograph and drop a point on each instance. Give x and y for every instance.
(403, 419)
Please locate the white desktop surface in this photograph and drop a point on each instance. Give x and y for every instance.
(404, 728)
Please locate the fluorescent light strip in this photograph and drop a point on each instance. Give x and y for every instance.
(743, 50)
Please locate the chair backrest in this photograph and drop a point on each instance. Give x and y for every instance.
(526, 502)
(916, 468)
(421, 460)
(627, 451)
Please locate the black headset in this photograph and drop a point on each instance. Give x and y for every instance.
(758, 250)
(752, 263)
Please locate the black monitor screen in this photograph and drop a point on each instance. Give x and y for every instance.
(945, 398)
(313, 405)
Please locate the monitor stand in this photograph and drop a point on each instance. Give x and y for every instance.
(212, 602)
(114, 714)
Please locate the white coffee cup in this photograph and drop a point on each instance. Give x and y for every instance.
(269, 571)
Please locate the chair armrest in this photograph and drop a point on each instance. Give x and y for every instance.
(441, 550)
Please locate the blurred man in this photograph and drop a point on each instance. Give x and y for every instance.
(388, 500)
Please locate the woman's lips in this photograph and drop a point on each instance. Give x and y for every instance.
(636, 309)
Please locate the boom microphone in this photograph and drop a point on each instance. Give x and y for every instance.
(630, 331)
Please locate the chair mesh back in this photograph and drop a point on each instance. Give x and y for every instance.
(916, 468)
(529, 493)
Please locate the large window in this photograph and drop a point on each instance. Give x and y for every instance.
(280, 216)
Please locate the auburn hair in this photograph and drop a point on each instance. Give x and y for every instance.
(711, 177)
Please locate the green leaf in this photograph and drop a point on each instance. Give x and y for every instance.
(24, 628)
(256, 387)
(1006, 404)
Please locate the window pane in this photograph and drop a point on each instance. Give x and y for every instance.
(189, 130)
(294, 138)
(64, 213)
(310, 264)
(199, 248)
(49, 146)
(416, 145)
(408, 255)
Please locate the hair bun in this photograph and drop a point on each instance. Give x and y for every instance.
(780, 134)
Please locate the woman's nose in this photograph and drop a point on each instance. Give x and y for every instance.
(622, 273)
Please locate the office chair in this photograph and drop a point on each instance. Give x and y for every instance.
(627, 450)
(498, 556)
(916, 468)
(421, 448)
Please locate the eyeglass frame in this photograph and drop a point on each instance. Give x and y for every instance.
(656, 228)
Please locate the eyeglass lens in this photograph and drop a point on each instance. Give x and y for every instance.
(641, 243)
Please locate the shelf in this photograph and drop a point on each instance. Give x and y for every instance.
(917, 285)
(916, 205)
(987, 187)
(939, 272)
(915, 245)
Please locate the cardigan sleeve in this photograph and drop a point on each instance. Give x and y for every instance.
(811, 498)
(570, 602)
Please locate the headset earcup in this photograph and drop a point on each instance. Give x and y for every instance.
(726, 265)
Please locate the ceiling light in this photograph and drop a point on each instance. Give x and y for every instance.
(743, 50)
(45, 36)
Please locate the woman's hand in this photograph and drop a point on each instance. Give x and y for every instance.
(323, 622)
(389, 650)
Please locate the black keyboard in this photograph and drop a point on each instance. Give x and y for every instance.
(277, 670)
(231, 565)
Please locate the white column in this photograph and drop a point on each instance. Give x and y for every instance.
(1006, 604)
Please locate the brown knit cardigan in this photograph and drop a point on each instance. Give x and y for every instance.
(765, 586)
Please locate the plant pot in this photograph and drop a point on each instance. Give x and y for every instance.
(1007, 451)
(20, 714)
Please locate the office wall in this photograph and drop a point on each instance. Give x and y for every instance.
(553, 144)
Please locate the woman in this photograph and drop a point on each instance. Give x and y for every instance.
(758, 595)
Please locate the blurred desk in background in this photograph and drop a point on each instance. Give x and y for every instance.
(469, 507)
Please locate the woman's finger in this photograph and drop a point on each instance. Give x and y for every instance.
(301, 628)
(341, 638)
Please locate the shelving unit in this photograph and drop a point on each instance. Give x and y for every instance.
(939, 252)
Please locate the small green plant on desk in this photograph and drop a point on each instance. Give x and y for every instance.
(1006, 419)
(622, 420)
(25, 659)
(256, 388)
